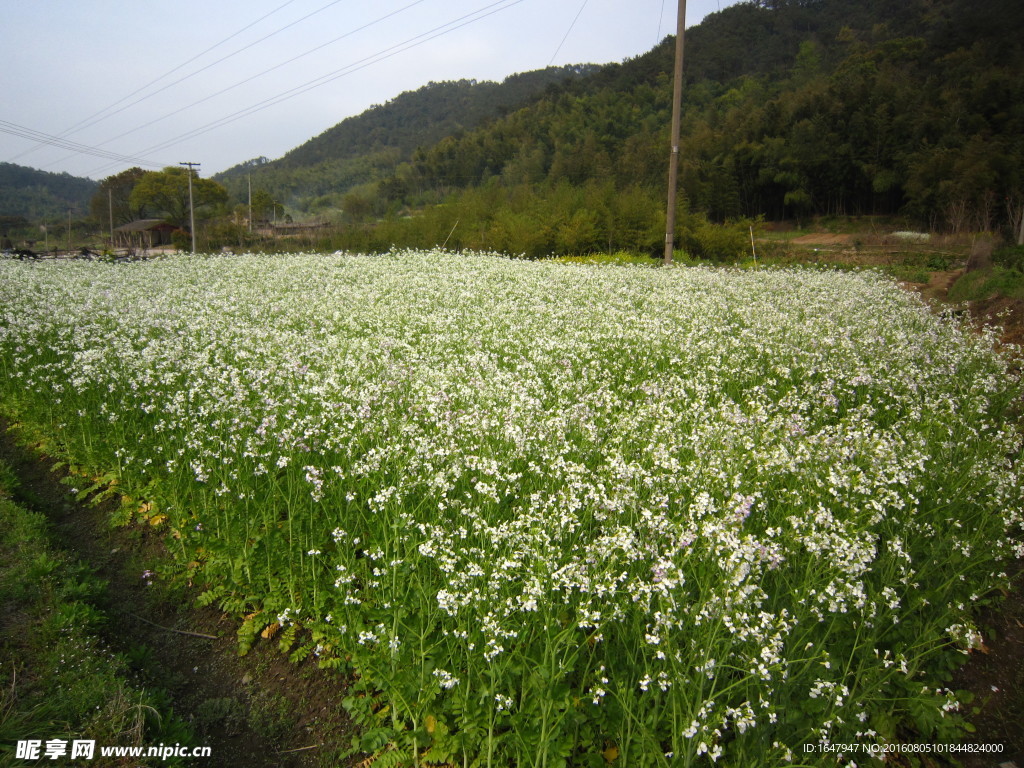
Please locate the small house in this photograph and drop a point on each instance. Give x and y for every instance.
(144, 233)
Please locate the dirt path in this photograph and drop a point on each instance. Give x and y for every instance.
(938, 287)
(258, 712)
(995, 676)
(1006, 313)
(823, 238)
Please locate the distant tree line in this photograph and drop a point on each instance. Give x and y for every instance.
(37, 195)
(137, 194)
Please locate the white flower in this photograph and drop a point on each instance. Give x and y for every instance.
(447, 679)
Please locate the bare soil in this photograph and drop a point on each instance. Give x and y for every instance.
(995, 676)
(823, 238)
(999, 311)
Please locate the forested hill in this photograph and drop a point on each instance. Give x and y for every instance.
(34, 195)
(368, 146)
(825, 106)
(792, 109)
(425, 116)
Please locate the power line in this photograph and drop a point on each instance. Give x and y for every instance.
(193, 74)
(221, 92)
(95, 117)
(578, 14)
(363, 63)
(215, 63)
(45, 139)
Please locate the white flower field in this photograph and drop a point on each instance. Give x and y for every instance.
(545, 514)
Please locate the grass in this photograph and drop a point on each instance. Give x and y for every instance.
(549, 514)
(985, 284)
(909, 273)
(57, 679)
(619, 258)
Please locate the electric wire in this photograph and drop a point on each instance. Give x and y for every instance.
(96, 117)
(569, 32)
(49, 140)
(45, 139)
(382, 55)
(193, 74)
(177, 112)
(223, 58)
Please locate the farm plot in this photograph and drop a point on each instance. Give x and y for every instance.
(548, 514)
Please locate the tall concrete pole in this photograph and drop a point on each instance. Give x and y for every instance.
(673, 162)
(191, 207)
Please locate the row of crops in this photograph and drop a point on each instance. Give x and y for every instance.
(545, 514)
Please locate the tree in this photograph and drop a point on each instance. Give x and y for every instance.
(357, 206)
(113, 199)
(166, 192)
(262, 205)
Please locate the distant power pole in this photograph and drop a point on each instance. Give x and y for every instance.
(673, 162)
(191, 207)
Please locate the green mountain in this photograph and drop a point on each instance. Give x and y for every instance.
(30, 194)
(789, 111)
(366, 148)
(793, 108)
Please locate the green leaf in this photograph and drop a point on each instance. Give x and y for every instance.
(376, 739)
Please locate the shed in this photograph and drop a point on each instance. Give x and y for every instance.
(143, 233)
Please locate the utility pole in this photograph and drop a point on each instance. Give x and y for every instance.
(110, 211)
(250, 203)
(191, 207)
(673, 162)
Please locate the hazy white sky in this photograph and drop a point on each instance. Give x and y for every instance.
(218, 82)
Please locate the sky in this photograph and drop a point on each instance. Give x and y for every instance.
(92, 87)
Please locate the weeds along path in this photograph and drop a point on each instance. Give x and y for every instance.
(258, 711)
(995, 672)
